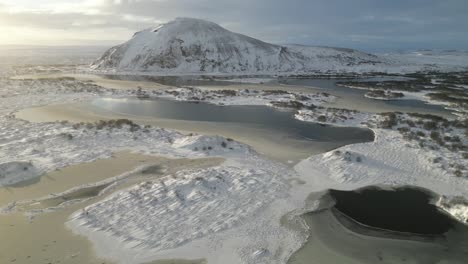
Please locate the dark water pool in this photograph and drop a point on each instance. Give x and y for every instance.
(382, 225)
(404, 209)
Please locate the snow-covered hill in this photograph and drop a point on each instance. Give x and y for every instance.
(188, 45)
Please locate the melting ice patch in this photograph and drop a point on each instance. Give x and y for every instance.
(17, 171)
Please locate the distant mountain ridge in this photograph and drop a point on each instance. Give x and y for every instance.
(188, 45)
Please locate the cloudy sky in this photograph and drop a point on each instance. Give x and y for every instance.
(365, 24)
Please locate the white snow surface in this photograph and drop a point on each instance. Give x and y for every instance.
(336, 117)
(190, 205)
(242, 97)
(227, 214)
(389, 160)
(243, 197)
(457, 206)
(230, 213)
(456, 60)
(48, 147)
(247, 80)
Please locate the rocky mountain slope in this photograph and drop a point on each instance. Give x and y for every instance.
(188, 45)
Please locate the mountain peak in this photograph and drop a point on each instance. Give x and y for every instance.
(192, 20)
(191, 45)
(184, 25)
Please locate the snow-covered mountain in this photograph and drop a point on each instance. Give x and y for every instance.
(188, 45)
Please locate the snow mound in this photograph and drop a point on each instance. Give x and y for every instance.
(170, 212)
(213, 145)
(261, 253)
(342, 161)
(347, 156)
(187, 45)
(456, 206)
(389, 160)
(17, 171)
(334, 116)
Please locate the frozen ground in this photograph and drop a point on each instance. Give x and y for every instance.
(334, 116)
(450, 60)
(412, 151)
(49, 146)
(187, 206)
(230, 213)
(243, 97)
(436, 88)
(247, 80)
(388, 160)
(250, 180)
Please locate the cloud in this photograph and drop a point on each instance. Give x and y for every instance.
(365, 24)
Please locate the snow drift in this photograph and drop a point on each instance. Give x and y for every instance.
(188, 45)
(173, 211)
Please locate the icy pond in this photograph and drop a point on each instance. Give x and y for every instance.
(262, 127)
(260, 116)
(348, 98)
(351, 98)
(403, 209)
(389, 225)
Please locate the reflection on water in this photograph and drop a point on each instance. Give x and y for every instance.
(177, 81)
(275, 133)
(355, 99)
(348, 97)
(259, 116)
